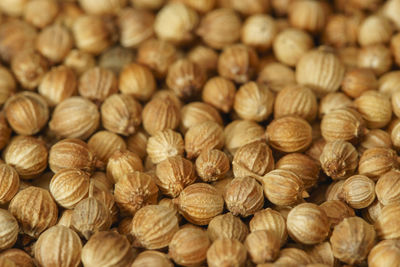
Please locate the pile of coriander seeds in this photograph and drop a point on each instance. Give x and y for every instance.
(221, 133)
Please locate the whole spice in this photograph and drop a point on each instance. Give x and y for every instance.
(40, 13)
(29, 67)
(333, 101)
(259, 31)
(104, 144)
(352, 239)
(137, 80)
(283, 187)
(16, 36)
(185, 78)
(358, 191)
(226, 252)
(54, 42)
(302, 165)
(165, 144)
(154, 226)
(27, 155)
(9, 183)
(97, 84)
(121, 114)
(121, 163)
(375, 109)
(293, 257)
(7, 84)
(385, 228)
(135, 27)
(238, 63)
(26, 112)
(18, 256)
(289, 134)
(175, 23)
(336, 211)
(199, 203)
(72, 153)
(375, 138)
(212, 165)
(376, 57)
(102, 7)
(5, 131)
(339, 159)
(196, 113)
(262, 246)
(205, 57)
(34, 209)
(105, 247)
(79, 61)
(160, 114)
(158, 55)
(135, 190)
(291, 44)
(308, 224)
(296, 100)
(58, 84)
(13, 8)
(343, 124)
(189, 246)
(241, 132)
(253, 102)
(65, 243)
(322, 253)
(276, 76)
(68, 117)
(385, 252)
(69, 186)
(372, 25)
(227, 226)
(251, 7)
(357, 81)
(307, 15)
(204, 136)
(116, 58)
(93, 34)
(327, 70)
(376, 161)
(152, 257)
(386, 188)
(174, 174)
(220, 28)
(9, 229)
(244, 196)
(341, 30)
(90, 216)
(271, 221)
(137, 143)
(220, 93)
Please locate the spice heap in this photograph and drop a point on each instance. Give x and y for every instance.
(199, 133)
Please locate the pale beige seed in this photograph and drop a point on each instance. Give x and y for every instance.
(58, 246)
(199, 203)
(34, 209)
(9, 229)
(154, 226)
(69, 186)
(204, 136)
(106, 248)
(135, 190)
(90, 216)
(9, 183)
(227, 226)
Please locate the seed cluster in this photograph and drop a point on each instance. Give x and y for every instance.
(221, 133)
